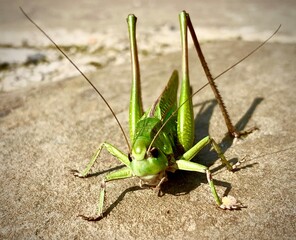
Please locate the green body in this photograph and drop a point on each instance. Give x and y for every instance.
(162, 138)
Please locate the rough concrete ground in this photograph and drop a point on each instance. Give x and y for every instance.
(48, 129)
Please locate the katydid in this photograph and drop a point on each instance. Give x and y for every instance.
(162, 138)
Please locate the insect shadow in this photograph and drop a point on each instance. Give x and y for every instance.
(120, 198)
(183, 182)
(227, 141)
(202, 121)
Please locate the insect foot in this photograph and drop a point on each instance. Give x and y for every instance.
(91, 219)
(244, 133)
(230, 203)
(76, 173)
(235, 167)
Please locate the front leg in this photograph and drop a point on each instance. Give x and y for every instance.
(111, 149)
(123, 173)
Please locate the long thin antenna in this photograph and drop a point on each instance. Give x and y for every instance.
(249, 54)
(85, 77)
(214, 79)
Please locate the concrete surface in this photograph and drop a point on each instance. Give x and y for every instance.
(48, 128)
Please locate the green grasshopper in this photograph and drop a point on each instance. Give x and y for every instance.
(162, 138)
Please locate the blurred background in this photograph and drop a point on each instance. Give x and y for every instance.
(94, 33)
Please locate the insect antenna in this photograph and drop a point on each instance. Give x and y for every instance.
(214, 79)
(84, 76)
(248, 55)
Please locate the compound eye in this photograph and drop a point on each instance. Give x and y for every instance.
(154, 152)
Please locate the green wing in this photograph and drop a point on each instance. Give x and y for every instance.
(166, 103)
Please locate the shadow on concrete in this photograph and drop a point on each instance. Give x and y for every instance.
(202, 118)
(95, 174)
(120, 198)
(202, 121)
(183, 182)
(179, 184)
(227, 141)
